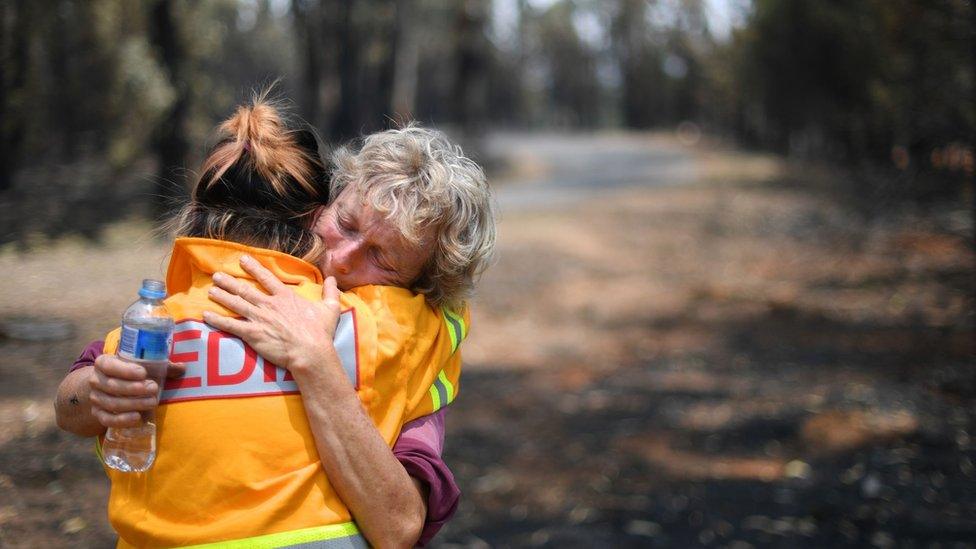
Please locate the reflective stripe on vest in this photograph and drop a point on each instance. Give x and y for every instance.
(455, 328)
(441, 392)
(98, 450)
(333, 536)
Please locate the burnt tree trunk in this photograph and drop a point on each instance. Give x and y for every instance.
(306, 15)
(345, 123)
(406, 57)
(386, 77)
(170, 136)
(470, 85)
(13, 80)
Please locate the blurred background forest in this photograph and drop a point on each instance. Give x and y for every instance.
(106, 103)
(733, 304)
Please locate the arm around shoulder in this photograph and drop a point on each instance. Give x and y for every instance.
(389, 506)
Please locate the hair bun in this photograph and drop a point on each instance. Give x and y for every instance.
(257, 136)
(260, 184)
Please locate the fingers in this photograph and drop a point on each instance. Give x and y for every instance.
(108, 419)
(237, 287)
(119, 392)
(240, 328)
(175, 370)
(233, 302)
(265, 277)
(121, 405)
(121, 387)
(114, 367)
(330, 293)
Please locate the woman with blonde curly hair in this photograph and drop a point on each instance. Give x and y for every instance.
(289, 445)
(416, 182)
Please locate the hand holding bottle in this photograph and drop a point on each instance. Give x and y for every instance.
(145, 341)
(122, 389)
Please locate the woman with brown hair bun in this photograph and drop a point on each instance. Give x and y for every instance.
(261, 185)
(282, 435)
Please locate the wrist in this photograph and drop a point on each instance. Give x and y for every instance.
(311, 360)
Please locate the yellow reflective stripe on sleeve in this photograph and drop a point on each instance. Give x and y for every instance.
(453, 330)
(333, 536)
(460, 320)
(441, 392)
(435, 397)
(442, 377)
(455, 327)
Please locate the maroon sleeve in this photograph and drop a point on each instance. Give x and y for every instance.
(89, 355)
(419, 451)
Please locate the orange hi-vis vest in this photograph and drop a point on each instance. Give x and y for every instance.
(236, 464)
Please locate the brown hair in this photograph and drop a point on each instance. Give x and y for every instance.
(260, 184)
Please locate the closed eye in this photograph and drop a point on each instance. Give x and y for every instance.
(381, 261)
(345, 223)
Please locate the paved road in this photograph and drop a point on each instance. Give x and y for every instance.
(565, 168)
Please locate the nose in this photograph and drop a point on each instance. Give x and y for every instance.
(344, 256)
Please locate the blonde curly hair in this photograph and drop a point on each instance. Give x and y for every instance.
(424, 185)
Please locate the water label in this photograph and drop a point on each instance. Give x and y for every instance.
(139, 344)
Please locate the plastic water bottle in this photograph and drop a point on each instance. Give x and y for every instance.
(147, 333)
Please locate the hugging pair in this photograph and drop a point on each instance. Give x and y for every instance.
(319, 314)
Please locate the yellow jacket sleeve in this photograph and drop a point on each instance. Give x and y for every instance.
(407, 359)
(446, 384)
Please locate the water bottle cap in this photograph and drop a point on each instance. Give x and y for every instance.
(152, 289)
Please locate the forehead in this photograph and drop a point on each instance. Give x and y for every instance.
(349, 196)
(382, 232)
(354, 204)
